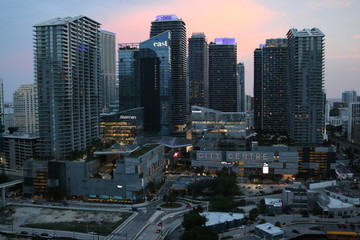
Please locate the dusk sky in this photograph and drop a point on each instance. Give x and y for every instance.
(251, 22)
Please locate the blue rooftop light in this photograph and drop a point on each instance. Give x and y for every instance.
(220, 41)
(166, 17)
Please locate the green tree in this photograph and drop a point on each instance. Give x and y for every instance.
(278, 224)
(199, 233)
(222, 204)
(262, 206)
(193, 219)
(198, 188)
(194, 225)
(253, 213)
(171, 198)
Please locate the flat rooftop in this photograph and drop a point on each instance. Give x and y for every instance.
(214, 218)
(277, 202)
(345, 189)
(270, 228)
(336, 203)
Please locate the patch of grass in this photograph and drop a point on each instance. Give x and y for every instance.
(142, 150)
(227, 237)
(174, 205)
(102, 228)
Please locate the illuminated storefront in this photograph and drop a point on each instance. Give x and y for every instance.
(122, 127)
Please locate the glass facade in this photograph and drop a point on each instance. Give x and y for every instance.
(179, 84)
(122, 127)
(160, 46)
(270, 85)
(223, 82)
(129, 82)
(198, 68)
(209, 123)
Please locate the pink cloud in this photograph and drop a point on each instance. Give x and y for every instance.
(345, 56)
(357, 36)
(352, 53)
(245, 20)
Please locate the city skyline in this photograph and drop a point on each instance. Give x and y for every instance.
(255, 22)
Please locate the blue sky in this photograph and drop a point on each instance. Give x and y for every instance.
(251, 22)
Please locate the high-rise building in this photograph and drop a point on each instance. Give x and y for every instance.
(108, 68)
(145, 81)
(270, 85)
(129, 81)
(258, 98)
(67, 73)
(198, 70)
(223, 82)
(241, 88)
(306, 86)
(349, 96)
(156, 84)
(179, 84)
(25, 109)
(2, 123)
(354, 122)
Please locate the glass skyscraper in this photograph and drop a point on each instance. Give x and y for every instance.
(306, 86)
(129, 81)
(223, 82)
(67, 69)
(241, 83)
(198, 68)
(145, 81)
(179, 84)
(270, 85)
(108, 68)
(160, 46)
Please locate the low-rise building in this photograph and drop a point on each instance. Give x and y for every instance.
(18, 148)
(277, 159)
(35, 177)
(268, 231)
(213, 129)
(114, 176)
(295, 197)
(273, 206)
(347, 192)
(333, 207)
(245, 163)
(220, 221)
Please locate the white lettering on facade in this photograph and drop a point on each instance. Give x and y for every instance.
(127, 117)
(160, 44)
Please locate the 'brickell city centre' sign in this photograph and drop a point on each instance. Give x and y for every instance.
(233, 156)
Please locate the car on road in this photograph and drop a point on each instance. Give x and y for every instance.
(171, 216)
(158, 230)
(242, 227)
(44, 234)
(159, 223)
(188, 205)
(24, 232)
